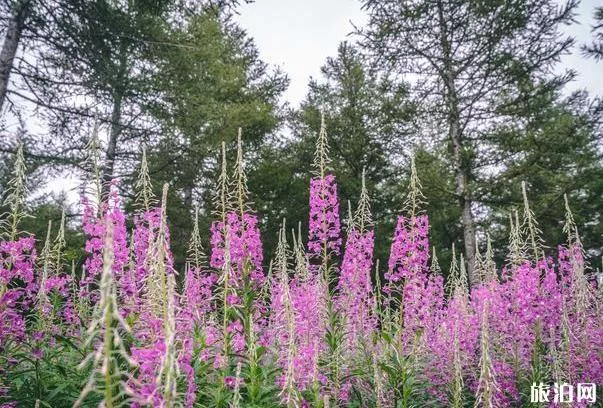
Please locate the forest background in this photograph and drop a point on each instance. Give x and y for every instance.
(480, 93)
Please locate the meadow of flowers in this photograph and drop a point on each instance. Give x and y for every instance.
(318, 327)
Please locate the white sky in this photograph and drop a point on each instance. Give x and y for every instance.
(298, 36)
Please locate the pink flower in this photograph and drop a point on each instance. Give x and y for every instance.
(231, 382)
(355, 300)
(324, 225)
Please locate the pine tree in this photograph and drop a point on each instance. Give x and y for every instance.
(594, 49)
(365, 110)
(470, 60)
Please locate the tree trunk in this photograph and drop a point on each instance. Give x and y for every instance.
(116, 126)
(455, 136)
(10, 45)
(111, 150)
(188, 196)
(462, 186)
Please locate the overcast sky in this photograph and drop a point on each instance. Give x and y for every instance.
(298, 36)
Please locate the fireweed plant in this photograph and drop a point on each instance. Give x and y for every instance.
(321, 326)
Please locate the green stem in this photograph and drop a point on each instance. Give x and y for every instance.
(107, 345)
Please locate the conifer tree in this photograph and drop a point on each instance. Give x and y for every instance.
(471, 60)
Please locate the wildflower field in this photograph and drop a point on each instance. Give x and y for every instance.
(320, 325)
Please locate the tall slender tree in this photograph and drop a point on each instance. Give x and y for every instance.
(467, 60)
(91, 61)
(18, 12)
(208, 87)
(96, 63)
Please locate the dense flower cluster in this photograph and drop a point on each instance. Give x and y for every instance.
(324, 225)
(409, 253)
(245, 247)
(307, 301)
(17, 286)
(356, 300)
(239, 333)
